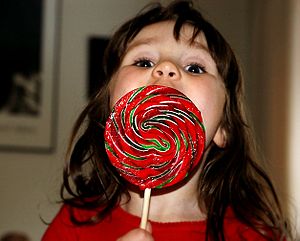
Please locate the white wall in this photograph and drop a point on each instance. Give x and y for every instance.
(29, 183)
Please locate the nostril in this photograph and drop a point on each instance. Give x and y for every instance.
(171, 74)
(160, 73)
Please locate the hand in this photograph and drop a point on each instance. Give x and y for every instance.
(138, 234)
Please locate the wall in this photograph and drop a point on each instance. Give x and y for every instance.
(275, 87)
(270, 83)
(294, 116)
(29, 183)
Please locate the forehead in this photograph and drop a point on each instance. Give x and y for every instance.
(165, 29)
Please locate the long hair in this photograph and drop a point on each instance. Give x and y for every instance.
(230, 176)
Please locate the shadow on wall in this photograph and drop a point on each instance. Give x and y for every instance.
(14, 236)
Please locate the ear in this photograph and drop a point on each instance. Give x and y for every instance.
(220, 137)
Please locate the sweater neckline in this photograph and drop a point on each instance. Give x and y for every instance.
(119, 211)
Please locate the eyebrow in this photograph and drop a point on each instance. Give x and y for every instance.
(197, 45)
(146, 41)
(150, 40)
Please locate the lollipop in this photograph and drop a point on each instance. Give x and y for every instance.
(154, 137)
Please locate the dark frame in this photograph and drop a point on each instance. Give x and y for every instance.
(96, 49)
(29, 44)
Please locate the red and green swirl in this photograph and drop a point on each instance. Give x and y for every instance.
(154, 136)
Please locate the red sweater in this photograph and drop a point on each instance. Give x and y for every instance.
(120, 222)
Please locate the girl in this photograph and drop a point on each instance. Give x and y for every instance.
(229, 197)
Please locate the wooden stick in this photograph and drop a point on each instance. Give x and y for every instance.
(145, 211)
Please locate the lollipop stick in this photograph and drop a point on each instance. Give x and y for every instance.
(145, 211)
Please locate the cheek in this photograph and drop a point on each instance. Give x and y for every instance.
(117, 90)
(211, 107)
(121, 84)
(211, 117)
(126, 79)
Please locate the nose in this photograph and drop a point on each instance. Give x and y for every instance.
(166, 70)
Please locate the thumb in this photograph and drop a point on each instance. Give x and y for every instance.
(149, 227)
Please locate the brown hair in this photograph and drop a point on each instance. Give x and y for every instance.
(231, 176)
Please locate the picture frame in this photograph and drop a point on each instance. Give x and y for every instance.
(29, 76)
(96, 51)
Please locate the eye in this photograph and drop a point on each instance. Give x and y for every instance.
(143, 63)
(195, 69)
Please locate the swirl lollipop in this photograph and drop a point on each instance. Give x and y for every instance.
(154, 137)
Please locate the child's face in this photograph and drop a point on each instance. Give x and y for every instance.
(155, 57)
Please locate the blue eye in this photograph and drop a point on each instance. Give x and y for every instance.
(195, 69)
(144, 63)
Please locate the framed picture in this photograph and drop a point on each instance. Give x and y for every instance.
(29, 44)
(96, 49)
